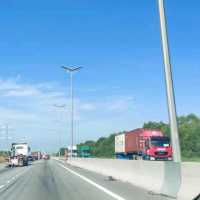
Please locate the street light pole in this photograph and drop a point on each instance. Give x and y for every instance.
(7, 137)
(72, 112)
(169, 85)
(71, 70)
(60, 107)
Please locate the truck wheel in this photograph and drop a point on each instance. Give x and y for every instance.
(25, 163)
(21, 163)
(134, 157)
(145, 158)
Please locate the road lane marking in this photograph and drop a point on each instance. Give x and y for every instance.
(2, 186)
(8, 182)
(100, 187)
(62, 161)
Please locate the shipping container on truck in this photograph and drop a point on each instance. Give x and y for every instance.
(120, 146)
(143, 143)
(36, 155)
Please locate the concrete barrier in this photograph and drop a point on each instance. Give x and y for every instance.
(141, 173)
(172, 179)
(159, 177)
(190, 186)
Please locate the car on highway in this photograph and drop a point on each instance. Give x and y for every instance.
(46, 157)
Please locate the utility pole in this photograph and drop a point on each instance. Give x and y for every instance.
(71, 70)
(60, 107)
(169, 85)
(6, 137)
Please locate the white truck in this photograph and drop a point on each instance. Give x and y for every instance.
(74, 152)
(20, 153)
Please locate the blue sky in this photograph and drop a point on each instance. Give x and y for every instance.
(122, 83)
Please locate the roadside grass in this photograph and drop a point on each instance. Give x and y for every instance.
(2, 159)
(192, 159)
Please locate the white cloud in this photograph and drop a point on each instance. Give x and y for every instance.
(110, 104)
(121, 104)
(87, 106)
(22, 92)
(28, 108)
(8, 84)
(8, 114)
(11, 88)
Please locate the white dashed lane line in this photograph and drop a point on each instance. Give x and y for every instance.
(2, 186)
(11, 180)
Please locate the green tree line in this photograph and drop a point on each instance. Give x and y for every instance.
(189, 131)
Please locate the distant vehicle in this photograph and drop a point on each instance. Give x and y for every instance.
(84, 151)
(74, 152)
(20, 153)
(37, 155)
(46, 156)
(143, 143)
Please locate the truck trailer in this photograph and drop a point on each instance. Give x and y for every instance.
(143, 144)
(20, 153)
(36, 155)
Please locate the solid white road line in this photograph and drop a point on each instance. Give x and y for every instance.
(115, 196)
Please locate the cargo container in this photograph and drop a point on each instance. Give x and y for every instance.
(120, 143)
(36, 155)
(143, 143)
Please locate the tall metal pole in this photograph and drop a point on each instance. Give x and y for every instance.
(7, 139)
(72, 112)
(59, 135)
(60, 119)
(169, 85)
(72, 70)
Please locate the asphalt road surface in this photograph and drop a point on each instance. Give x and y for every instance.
(54, 180)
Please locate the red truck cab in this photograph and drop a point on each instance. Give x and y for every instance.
(158, 148)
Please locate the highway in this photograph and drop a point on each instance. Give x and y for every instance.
(56, 180)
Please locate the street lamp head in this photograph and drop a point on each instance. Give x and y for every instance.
(71, 69)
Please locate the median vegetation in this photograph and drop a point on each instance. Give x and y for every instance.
(3, 156)
(189, 130)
